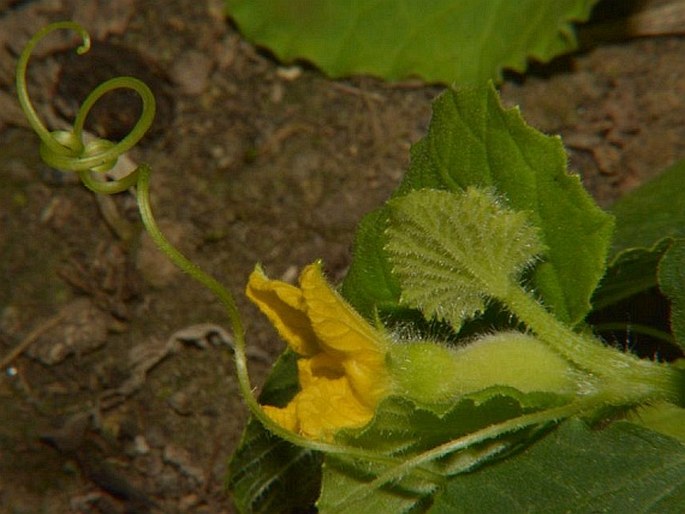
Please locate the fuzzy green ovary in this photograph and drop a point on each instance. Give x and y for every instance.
(432, 373)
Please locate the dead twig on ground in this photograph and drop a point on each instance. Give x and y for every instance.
(31, 338)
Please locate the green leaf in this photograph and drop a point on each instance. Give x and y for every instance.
(401, 429)
(664, 418)
(341, 477)
(369, 283)
(623, 468)
(651, 213)
(266, 474)
(270, 476)
(453, 251)
(671, 275)
(650, 225)
(467, 41)
(632, 272)
(282, 383)
(473, 141)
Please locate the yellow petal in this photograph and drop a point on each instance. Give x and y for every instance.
(286, 416)
(343, 332)
(368, 377)
(329, 406)
(284, 305)
(345, 374)
(325, 404)
(338, 326)
(321, 365)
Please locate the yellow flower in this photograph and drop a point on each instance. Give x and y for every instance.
(342, 369)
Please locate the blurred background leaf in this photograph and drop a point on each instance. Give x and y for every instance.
(462, 41)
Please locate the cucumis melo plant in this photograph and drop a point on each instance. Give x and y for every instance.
(396, 418)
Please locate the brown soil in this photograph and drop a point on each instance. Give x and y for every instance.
(110, 409)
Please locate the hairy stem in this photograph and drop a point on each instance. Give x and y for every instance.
(625, 378)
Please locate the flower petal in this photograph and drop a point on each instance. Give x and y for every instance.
(286, 416)
(338, 327)
(344, 332)
(368, 377)
(344, 373)
(328, 407)
(284, 305)
(325, 404)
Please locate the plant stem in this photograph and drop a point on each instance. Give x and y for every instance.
(624, 377)
(180, 260)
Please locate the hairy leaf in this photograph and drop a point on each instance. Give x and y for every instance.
(467, 41)
(453, 251)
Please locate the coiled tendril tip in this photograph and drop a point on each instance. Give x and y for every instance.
(66, 150)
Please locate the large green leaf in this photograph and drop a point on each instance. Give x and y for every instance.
(463, 41)
(623, 468)
(473, 141)
(402, 429)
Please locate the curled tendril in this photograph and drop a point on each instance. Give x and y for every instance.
(66, 150)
